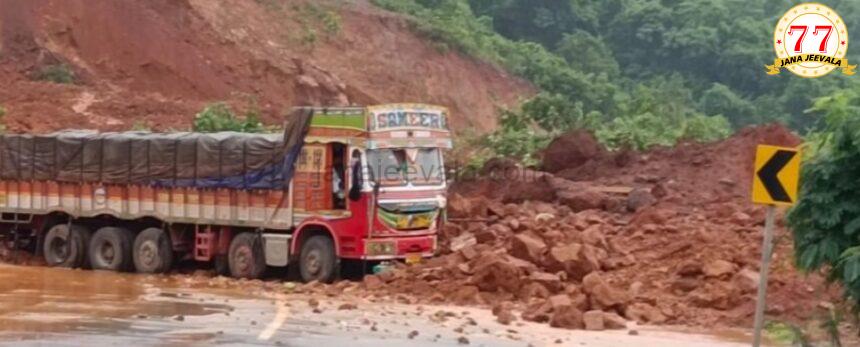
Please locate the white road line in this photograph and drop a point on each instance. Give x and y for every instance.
(275, 324)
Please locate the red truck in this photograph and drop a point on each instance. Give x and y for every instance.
(358, 183)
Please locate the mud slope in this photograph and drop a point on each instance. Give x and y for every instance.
(159, 62)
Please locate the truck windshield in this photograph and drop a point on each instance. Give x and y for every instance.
(399, 166)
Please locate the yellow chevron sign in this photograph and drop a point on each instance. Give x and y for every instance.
(776, 175)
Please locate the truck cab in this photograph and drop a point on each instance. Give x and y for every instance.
(373, 178)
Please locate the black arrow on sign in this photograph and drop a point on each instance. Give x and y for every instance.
(767, 175)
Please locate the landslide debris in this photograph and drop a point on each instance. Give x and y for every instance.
(157, 63)
(666, 236)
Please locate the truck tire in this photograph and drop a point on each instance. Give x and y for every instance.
(110, 249)
(153, 251)
(221, 265)
(245, 258)
(66, 246)
(317, 260)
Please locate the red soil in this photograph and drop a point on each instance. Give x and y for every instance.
(159, 62)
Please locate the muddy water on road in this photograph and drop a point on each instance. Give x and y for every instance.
(40, 299)
(46, 306)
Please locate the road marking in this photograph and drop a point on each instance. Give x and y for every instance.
(275, 324)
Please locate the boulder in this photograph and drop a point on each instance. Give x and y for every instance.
(528, 185)
(747, 280)
(568, 318)
(486, 235)
(689, 268)
(538, 311)
(571, 150)
(533, 290)
(639, 198)
(719, 295)
(581, 200)
(593, 320)
(465, 295)
(550, 282)
(601, 294)
(686, 284)
(493, 273)
(575, 259)
(612, 320)
(459, 206)
(644, 313)
(528, 247)
(503, 314)
(560, 301)
(462, 241)
(595, 235)
(718, 268)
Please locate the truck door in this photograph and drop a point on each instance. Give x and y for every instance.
(320, 179)
(312, 183)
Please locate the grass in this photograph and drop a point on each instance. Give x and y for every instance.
(220, 117)
(318, 19)
(57, 73)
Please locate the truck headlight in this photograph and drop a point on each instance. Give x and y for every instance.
(381, 248)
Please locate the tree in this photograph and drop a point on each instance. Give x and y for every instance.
(721, 100)
(826, 220)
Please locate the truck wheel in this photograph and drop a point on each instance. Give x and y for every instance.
(317, 260)
(246, 256)
(66, 246)
(110, 249)
(153, 251)
(221, 265)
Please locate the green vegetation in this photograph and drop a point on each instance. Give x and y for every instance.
(315, 18)
(786, 334)
(516, 138)
(57, 73)
(826, 220)
(637, 72)
(220, 117)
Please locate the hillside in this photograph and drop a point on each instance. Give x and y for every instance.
(157, 63)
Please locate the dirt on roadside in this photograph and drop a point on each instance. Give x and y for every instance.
(666, 236)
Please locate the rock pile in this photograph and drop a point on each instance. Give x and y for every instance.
(586, 255)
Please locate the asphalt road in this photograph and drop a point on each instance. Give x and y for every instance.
(59, 307)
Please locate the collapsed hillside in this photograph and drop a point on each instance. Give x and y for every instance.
(157, 63)
(667, 236)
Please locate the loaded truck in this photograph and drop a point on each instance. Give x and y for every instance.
(347, 183)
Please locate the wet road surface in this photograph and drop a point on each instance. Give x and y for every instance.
(60, 307)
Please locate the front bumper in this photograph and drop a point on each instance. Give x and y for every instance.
(390, 248)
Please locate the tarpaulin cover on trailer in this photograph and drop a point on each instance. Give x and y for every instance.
(179, 159)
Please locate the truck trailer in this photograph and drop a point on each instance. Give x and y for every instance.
(346, 183)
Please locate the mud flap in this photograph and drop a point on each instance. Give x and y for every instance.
(276, 248)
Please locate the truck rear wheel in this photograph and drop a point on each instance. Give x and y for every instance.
(221, 265)
(110, 249)
(66, 246)
(245, 257)
(317, 260)
(153, 251)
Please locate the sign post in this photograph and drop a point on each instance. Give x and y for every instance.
(766, 249)
(774, 183)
